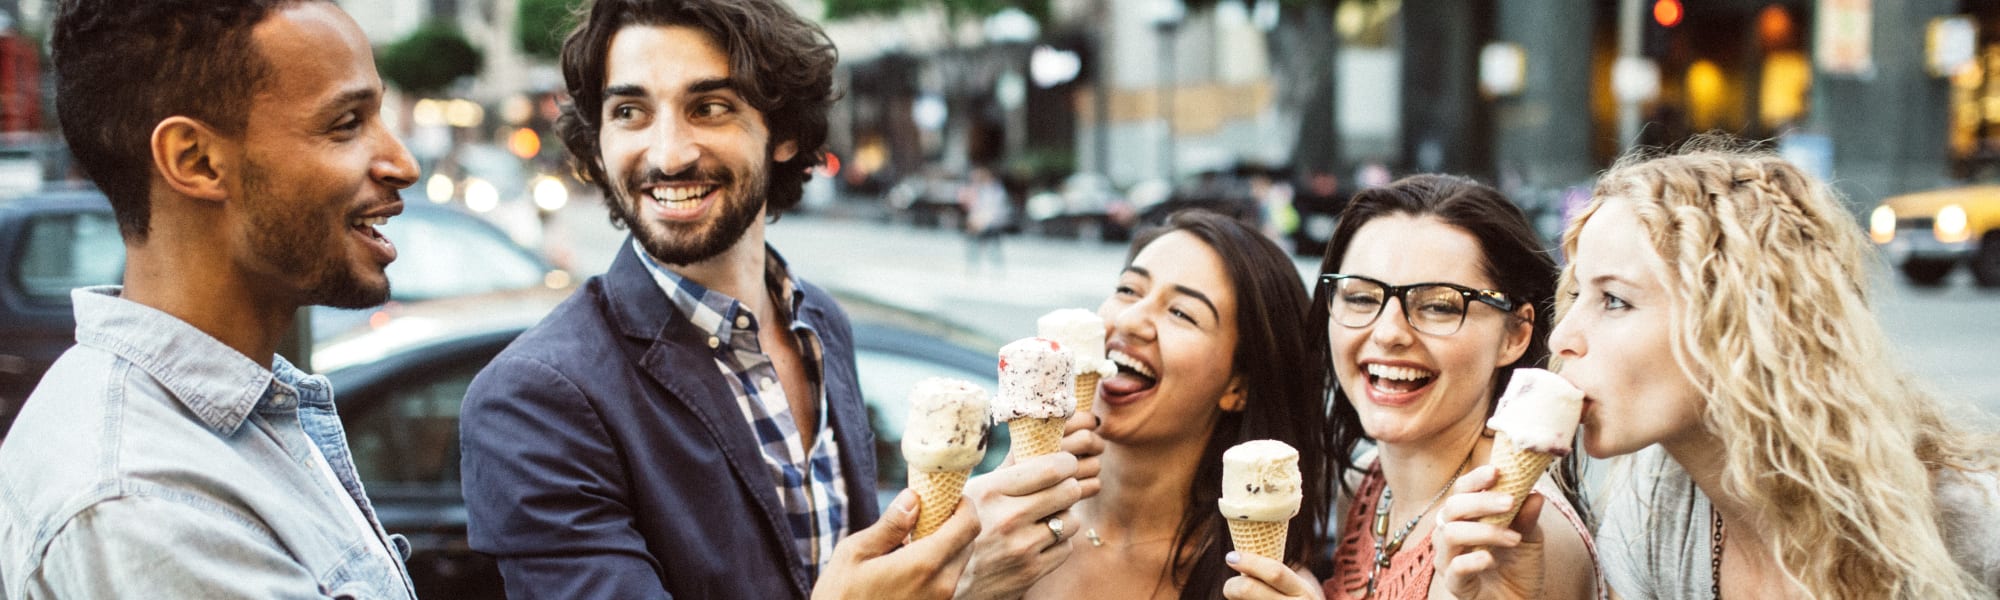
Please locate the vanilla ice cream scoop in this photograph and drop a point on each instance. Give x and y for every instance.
(1260, 481)
(1539, 411)
(1082, 333)
(947, 426)
(1037, 381)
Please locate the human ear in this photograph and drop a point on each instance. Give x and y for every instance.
(1519, 332)
(1233, 396)
(192, 158)
(784, 151)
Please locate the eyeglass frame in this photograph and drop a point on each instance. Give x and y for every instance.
(1507, 304)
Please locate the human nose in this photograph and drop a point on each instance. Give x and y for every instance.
(1564, 340)
(396, 167)
(1127, 320)
(672, 148)
(1391, 328)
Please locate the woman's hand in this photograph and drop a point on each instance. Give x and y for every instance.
(1478, 561)
(1266, 579)
(1017, 544)
(1080, 440)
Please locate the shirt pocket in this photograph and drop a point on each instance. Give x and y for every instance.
(363, 575)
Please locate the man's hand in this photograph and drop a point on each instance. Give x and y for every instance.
(875, 563)
(1017, 546)
(1481, 561)
(1267, 579)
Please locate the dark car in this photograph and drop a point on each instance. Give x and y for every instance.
(54, 242)
(401, 414)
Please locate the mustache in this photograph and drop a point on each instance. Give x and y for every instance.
(692, 174)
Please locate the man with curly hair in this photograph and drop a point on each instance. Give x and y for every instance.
(689, 424)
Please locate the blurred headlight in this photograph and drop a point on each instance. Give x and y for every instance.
(1950, 226)
(556, 279)
(550, 195)
(1882, 224)
(439, 188)
(480, 196)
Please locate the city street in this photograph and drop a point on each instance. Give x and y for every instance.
(1947, 336)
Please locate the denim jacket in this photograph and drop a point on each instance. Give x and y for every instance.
(154, 461)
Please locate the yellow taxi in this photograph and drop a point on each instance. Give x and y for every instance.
(1927, 234)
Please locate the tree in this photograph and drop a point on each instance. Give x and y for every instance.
(430, 59)
(542, 25)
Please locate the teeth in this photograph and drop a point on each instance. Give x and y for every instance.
(1398, 373)
(1130, 363)
(368, 222)
(681, 193)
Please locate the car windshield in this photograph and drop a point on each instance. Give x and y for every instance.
(440, 254)
(64, 251)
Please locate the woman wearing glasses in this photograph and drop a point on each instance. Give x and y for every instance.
(1434, 289)
(1203, 325)
(1717, 319)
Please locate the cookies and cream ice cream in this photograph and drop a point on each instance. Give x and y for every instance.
(1037, 381)
(946, 430)
(1260, 481)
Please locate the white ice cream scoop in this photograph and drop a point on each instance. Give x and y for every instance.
(1260, 481)
(1539, 411)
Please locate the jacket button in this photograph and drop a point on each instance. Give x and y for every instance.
(714, 342)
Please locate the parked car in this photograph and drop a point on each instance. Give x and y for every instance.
(54, 242)
(1928, 234)
(1086, 206)
(401, 414)
(927, 200)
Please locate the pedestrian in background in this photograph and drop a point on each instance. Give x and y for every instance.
(987, 213)
(171, 453)
(1716, 316)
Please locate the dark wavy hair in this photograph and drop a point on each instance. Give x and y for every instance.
(122, 67)
(1512, 255)
(780, 63)
(1282, 399)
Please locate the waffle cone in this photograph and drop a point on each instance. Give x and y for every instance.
(1035, 437)
(1086, 392)
(1519, 469)
(937, 498)
(1262, 538)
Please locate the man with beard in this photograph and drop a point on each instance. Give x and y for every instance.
(171, 453)
(689, 424)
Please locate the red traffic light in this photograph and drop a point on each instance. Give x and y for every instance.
(1668, 13)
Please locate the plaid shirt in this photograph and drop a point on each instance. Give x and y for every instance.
(809, 480)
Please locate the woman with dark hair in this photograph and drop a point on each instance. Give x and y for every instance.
(1203, 326)
(1433, 290)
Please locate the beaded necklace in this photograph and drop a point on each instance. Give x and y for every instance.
(1383, 552)
(1715, 556)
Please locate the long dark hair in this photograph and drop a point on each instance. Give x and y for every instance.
(1512, 255)
(1282, 399)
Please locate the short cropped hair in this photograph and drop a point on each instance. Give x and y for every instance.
(123, 66)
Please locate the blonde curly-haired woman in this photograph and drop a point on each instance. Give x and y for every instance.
(1715, 312)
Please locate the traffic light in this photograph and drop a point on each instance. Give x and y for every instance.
(1668, 13)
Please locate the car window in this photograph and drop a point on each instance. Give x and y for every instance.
(64, 251)
(439, 257)
(409, 437)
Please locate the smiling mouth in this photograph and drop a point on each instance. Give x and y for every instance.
(366, 225)
(681, 197)
(1133, 376)
(1398, 380)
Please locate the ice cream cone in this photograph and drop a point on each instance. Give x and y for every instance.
(937, 498)
(1262, 538)
(1086, 391)
(1035, 437)
(1519, 469)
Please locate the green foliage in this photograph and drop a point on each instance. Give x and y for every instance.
(955, 10)
(430, 59)
(542, 25)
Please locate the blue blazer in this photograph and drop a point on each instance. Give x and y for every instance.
(605, 456)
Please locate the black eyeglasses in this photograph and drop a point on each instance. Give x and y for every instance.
(1434, 308)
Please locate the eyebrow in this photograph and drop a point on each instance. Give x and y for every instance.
(1182, 289)
(360, 95)
(700, 86)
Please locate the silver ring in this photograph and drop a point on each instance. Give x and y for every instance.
(1055, 527)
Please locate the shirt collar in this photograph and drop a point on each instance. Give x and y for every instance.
(714, 312)
(221, 386)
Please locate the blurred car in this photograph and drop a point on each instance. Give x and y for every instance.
(489, 181)
(400, 410)
(1928, 234)
(1220, 192)
(54, 242)
(1086, 206)
(927, 200)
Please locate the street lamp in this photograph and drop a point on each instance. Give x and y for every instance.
(1167, 15)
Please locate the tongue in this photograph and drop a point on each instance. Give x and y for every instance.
(1127, 383)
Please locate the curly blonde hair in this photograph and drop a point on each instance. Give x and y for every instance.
(1771, 276)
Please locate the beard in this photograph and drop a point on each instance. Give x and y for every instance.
(682, 244)
(295, 242)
